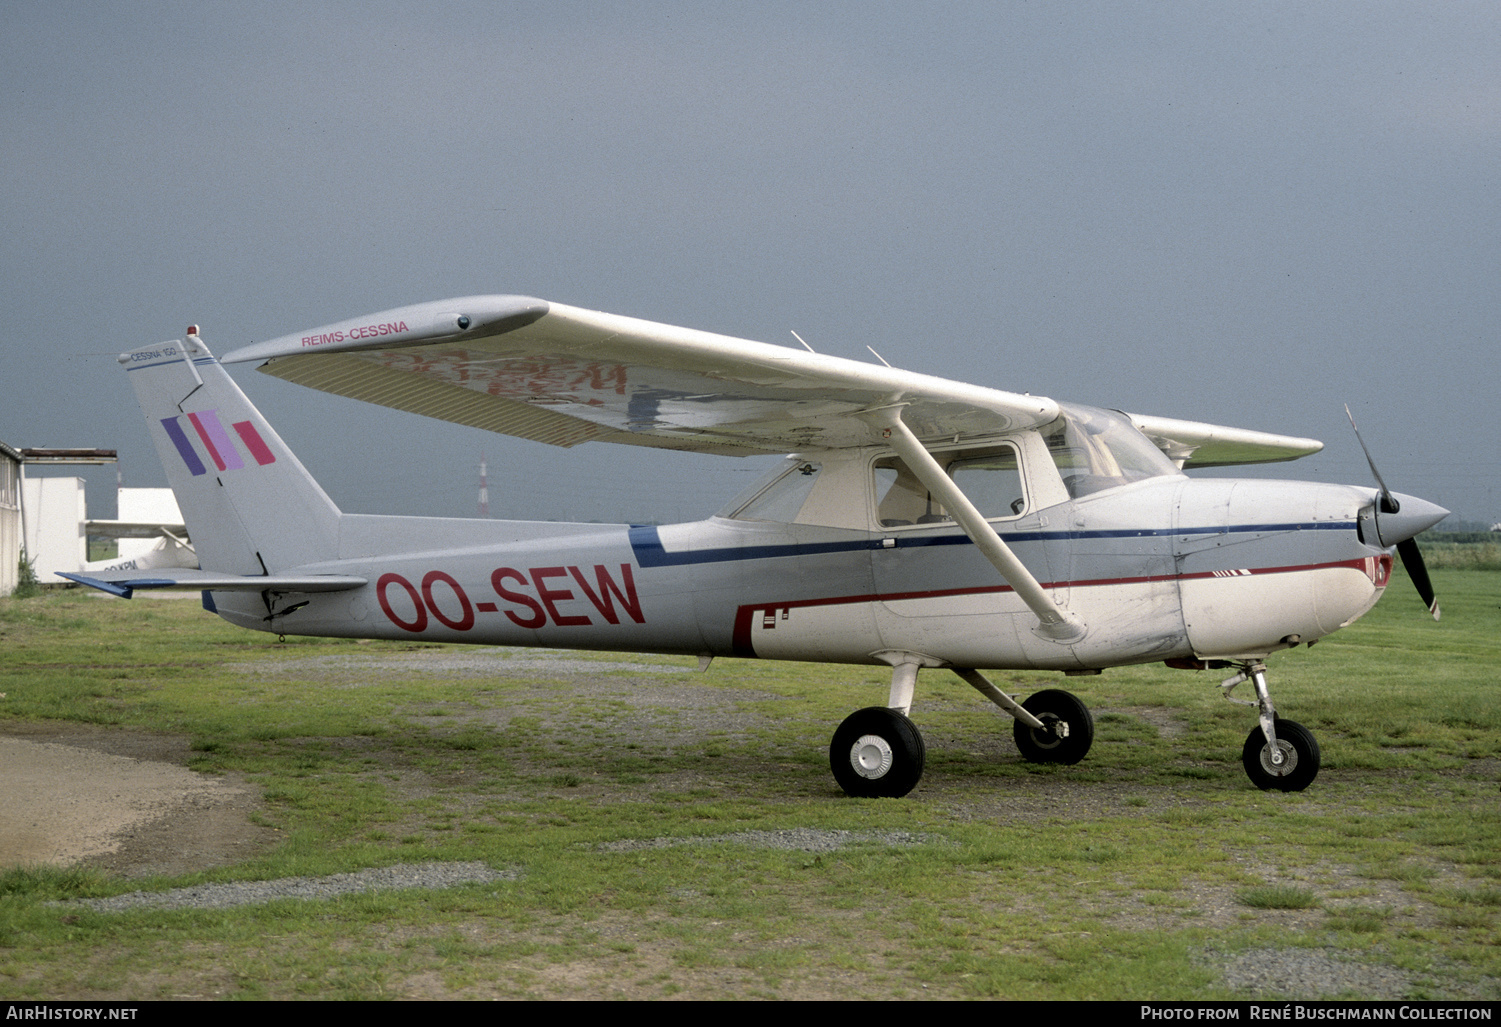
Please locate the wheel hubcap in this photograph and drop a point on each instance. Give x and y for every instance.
(871, 757)
(1289, 761)
(1050, 737)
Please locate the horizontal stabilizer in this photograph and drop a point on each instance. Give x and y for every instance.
(133, 529)
(186, 580)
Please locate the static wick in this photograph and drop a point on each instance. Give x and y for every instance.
(878, 356)
(799, 338)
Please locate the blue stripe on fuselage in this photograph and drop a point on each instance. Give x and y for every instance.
(647, 543)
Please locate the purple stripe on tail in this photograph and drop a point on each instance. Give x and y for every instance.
(184, 447)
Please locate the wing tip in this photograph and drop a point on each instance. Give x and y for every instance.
(418, 324)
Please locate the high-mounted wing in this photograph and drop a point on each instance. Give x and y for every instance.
(1192, 444)
(565, 375)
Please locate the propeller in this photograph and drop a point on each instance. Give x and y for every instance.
(1399, 519)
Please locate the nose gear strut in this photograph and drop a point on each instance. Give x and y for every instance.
(1278, 754)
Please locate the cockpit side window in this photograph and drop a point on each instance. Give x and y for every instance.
(992, 482)
(991, 479)
(900, 498)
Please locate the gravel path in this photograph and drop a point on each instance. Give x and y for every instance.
(803, 839)
(245, 893)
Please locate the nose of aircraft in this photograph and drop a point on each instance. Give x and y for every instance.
(1411, 516)
(1398, 519)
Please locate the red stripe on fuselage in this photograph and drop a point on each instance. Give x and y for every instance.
(745, 616)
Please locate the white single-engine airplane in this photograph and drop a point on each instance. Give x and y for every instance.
(920, 523)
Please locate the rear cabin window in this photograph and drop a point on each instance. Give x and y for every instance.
(991, 479)
(784, 497)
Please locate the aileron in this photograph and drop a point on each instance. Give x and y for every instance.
(1195, 444)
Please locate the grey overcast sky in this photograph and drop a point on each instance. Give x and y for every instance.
(1245, 213)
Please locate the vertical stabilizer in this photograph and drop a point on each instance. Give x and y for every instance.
(249, 505)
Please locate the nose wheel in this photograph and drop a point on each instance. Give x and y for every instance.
(1280, 755)
(1290, 767)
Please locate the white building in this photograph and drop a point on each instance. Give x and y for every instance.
(47, 520)
(54, 518)
(10, 518)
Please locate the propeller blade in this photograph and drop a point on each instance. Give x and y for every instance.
(1421, 515)
(1387, 502)
(1412, 559)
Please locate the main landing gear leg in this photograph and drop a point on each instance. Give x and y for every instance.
(1052, 726)
(1280, 754)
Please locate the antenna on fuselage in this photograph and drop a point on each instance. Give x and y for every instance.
(799, 338)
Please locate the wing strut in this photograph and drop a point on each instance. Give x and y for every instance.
(1057, 623)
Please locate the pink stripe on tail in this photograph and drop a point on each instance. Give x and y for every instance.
(220, 449)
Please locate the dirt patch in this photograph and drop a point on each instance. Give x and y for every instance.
(122, 801)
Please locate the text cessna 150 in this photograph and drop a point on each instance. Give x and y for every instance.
(921, 523)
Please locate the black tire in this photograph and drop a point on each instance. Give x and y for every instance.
(1301, 758)
(1054, 706)
(877, 753)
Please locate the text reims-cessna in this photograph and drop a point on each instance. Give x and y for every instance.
(920, 523)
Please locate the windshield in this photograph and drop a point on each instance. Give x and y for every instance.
(1097, 449)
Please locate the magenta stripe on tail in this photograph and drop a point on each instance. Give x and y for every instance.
(255, 443)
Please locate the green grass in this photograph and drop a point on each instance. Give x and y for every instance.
(1277, 896)
(1468, 551)
(1127, 876)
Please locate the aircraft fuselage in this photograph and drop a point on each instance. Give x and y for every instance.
(1166, 568)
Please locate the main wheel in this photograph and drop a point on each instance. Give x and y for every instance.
(1068, 729)
(877, 753)
(1300, 758)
